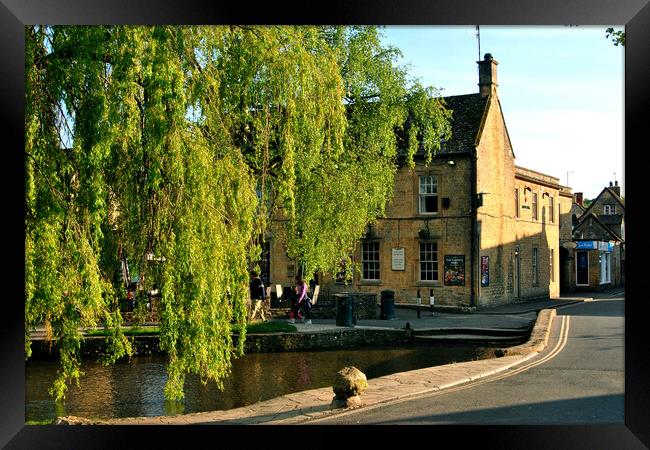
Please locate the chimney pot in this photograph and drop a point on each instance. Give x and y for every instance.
(616, 183)
(487, 75)
(610, 184)
(578, 198)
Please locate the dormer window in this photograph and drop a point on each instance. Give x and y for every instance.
(428, 201)
(609, 209)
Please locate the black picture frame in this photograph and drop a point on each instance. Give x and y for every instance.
(14, 14)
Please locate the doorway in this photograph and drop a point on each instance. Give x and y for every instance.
(582, 268)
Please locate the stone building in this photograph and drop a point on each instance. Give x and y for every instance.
(471, 228)
(595, 256)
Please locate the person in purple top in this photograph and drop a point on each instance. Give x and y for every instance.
(302, 301)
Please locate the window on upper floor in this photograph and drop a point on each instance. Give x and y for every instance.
(516, 202)
(609, 209)
(534, 206)
(551, 210)
(428, 194)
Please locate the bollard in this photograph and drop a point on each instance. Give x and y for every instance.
(419, 302)
(431, 300)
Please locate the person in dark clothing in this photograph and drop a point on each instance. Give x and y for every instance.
(302, 302)
(258, 295)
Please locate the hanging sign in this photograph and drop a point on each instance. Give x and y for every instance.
(586, 245)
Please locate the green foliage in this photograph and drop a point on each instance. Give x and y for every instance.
(186, 143)
(618, 36)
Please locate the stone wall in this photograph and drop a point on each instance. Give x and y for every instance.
(255, 343)
(495, 179)
(345, 338)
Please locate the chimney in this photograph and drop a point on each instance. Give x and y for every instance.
(577, 198)
(487, 76)
(616, 188)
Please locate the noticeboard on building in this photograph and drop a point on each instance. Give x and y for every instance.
(397, 259)
(455, 270)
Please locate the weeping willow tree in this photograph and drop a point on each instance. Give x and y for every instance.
(185, 143)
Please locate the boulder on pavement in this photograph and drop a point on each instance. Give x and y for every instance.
(349, 382)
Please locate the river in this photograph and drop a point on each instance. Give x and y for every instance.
(135, 388)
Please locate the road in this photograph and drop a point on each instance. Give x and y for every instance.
(578, 379)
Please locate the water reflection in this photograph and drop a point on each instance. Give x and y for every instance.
(135, 388)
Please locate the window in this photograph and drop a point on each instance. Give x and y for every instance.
(535, 274)
(428, 194)
(370, 260)
(428, 261)
(550, 265)
(551, 212)
(516, 202)
(609, 209)
(535, 206)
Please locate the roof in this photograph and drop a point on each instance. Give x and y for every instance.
(620, 199)
(591, 217)
(611, 219)
(467, 115)
(613, 194)
(466, 119)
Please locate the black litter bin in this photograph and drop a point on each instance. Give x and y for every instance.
(344, 310)
(387, 305)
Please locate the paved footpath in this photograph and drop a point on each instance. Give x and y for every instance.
(301, 407)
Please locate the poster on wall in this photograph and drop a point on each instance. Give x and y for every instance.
(455, 270)
(485, 271)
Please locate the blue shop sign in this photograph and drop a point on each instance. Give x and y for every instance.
(586, 245)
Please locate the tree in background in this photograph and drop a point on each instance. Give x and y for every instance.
(618, 36)
(184, 143)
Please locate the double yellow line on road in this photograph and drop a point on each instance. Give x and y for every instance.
(559, 346)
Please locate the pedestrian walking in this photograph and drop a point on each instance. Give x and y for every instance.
(303, 302)
(258, 295)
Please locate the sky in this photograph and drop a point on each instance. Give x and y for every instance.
(561, 90)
